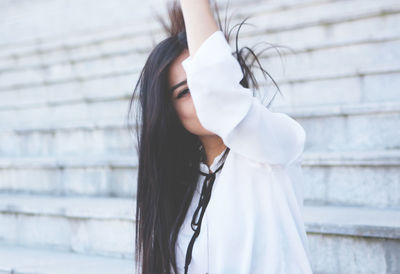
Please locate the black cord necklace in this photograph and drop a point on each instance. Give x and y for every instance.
(202, 205)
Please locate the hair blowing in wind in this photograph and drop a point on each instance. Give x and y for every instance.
(168, 154)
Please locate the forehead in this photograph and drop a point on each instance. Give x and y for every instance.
(176, 73)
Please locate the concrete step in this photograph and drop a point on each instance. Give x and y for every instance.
(111, 87)
(135, 27)
(65, 113)
(345, 90)
(353, 239)
(354, 178)
(311, 89)
(318, 64)
(121, 61)
(23, 260)
(91, 68)
(95, 226)
(29, 26)
(322, 12)
(86, 139)
(328, 63)
(123, 38)
(369, 87)
(49, 131)
(349, 89)
(349, 127)
(105, 82)
(323, 32)
(128, 17)
(95, 175)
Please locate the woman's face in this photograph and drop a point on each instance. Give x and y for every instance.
(182, 99)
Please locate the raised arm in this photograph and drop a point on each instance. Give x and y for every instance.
(227, 108)
(199, 22)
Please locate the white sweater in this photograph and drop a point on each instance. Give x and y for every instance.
(254, 221)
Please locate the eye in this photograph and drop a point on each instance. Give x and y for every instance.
(182, 93)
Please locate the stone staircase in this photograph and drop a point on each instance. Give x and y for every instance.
(68, 163)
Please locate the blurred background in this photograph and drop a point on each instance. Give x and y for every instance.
(68, 162)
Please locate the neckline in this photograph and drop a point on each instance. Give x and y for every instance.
(213, 167)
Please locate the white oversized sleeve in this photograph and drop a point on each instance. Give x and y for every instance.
(230, 110)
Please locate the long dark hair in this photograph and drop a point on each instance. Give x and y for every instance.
(168, 154)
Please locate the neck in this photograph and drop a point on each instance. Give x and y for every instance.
(213, 146)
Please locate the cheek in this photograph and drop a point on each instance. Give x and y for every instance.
(188, 116)
(185, 109)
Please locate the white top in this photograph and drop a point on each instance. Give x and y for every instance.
(254, 221)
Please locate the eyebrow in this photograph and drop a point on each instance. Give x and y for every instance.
(177, 85)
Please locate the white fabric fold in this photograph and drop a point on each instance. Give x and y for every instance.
(233, 113)
(253, 223)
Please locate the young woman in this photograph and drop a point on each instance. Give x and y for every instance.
(219, 175)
